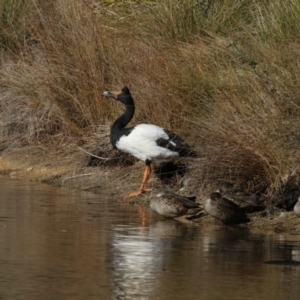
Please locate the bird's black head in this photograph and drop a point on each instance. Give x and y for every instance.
(123, 96)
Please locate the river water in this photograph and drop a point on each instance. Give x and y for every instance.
(62, 244)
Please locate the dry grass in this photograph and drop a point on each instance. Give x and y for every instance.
(223, 74)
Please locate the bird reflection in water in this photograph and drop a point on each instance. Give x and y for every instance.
(141, 255)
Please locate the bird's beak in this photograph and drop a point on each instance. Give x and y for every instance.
(111, 94)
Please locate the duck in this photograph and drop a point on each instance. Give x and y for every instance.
(172, 205)
(148, 143)
(249, 201)
(297, 208)
(224, 210)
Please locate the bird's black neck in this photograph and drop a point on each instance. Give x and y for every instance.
(118, 128)
(124, 119)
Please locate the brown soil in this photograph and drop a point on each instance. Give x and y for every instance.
(72, 170)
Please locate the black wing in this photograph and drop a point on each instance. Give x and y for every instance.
(176, 144)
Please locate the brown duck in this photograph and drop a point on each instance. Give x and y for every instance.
(171, 205)
(224, 209)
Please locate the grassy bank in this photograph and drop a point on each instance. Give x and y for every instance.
(223, 74)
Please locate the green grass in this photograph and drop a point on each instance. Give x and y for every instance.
(223, 74)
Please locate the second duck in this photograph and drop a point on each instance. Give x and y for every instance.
(224, 210)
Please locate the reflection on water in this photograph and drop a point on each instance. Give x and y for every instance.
(60, 244)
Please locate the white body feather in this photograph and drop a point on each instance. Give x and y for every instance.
(141, 143)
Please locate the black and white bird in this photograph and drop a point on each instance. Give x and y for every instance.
(149, 143)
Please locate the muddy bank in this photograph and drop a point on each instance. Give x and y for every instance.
(75, 170)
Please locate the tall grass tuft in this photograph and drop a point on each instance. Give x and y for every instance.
(17, 19)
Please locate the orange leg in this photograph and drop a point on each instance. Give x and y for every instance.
(143, 216)
(143, 188)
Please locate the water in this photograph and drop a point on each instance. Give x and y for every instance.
(61, 244)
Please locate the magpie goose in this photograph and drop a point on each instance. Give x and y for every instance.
(149, 143)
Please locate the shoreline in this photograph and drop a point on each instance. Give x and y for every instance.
(65, 171)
